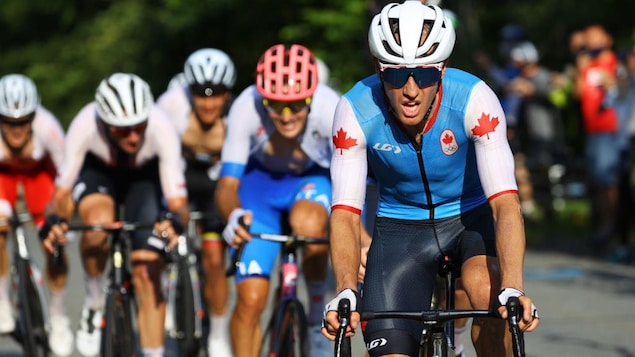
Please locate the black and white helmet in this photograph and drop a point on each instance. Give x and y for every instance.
(210, 66)
(395, 34)
(123, 99)
(18, 96)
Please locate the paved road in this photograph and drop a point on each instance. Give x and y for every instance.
(587, 307)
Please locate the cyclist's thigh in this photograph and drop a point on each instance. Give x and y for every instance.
(400, 275)
(267, 196)
(94, 194)
(143, 203)
(38, 189)
(8, 194)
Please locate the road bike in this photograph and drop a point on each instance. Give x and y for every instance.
(29, 295)
(185, 311)
(118, 333)
(286, 333)
(437, 333)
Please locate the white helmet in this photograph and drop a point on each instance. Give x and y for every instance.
(210, 66)
(407, 21)
(123, 99)
(18, 96)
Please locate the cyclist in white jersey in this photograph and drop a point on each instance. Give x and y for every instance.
(31, 150)
(122, 151)
(196, 109)
(275, 173)
(434, 138)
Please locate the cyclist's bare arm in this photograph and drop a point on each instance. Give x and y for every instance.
(345, 247)
(510, 247)
(227, 201)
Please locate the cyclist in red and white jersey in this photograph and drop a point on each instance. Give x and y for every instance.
(31, 150)
(197, 110)
(122, 151)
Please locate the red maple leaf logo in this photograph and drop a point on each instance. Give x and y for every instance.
(342, 142)
(447, 139)
(485, 125)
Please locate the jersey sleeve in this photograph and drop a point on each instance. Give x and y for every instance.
(50, 134)
(348, 164)
(243, 122)
(78, 139)
(486, 125)
(168, 148)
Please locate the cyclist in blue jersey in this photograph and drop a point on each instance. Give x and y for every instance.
(435, 140)
(274, 173)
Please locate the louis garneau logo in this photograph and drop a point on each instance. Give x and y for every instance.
(387, 147)
(378, 342)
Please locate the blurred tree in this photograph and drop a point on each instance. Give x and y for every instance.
(67, 47)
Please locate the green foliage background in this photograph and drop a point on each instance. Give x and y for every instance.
(67, 47)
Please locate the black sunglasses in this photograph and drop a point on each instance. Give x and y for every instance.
(397, 76)
(10, 121)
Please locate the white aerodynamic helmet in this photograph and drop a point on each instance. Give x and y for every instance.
(394, 36)
(123, 99)
(210, 66)
(18, 96)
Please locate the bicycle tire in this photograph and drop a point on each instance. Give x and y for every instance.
(292, 331)
(437, 345)
(31, 326)
(185, 312)
(117, 333)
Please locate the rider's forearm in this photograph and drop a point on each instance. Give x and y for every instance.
(345, 248)
(226, 196)
(510, 240)
(62, 203)
(179, 206)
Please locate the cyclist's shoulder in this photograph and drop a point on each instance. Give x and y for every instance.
(175, 96)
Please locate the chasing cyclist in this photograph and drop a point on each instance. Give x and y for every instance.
(121, 150)
(434, 137)
(197, 110)
(32, 147)
(275, 164)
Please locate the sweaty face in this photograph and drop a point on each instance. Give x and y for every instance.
(16, 131)
(129, 139)
(411, 103)
(209, 108)
(289, 118)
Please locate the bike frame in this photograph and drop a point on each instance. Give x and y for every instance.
(438, 324)
(27, 276)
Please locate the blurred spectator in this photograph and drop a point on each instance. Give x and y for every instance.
(625, 107)
(537, 129)
(597, 85)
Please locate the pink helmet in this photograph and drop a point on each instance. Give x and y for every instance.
(287, 74)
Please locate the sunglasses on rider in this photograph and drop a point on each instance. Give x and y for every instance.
(397, 76)
(125, 131)
(280, 108)
(10, 121)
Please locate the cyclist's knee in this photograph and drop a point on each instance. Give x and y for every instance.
(252, 297)
(213, 255)
(308, 218)
(478, 277)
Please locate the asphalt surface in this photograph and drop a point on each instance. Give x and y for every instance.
(587, 307)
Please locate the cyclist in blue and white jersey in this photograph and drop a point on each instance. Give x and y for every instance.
(197, 110)
(122, 150)
(434, 138)
(275, 164)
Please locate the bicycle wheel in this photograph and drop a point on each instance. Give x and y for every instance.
(117, 334)
(31, 330)
(185, 312)
(292, 331)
